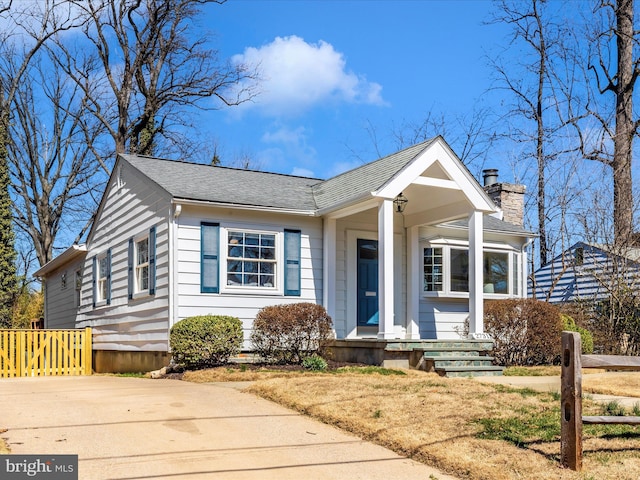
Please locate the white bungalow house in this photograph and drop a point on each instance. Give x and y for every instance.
(401, 249)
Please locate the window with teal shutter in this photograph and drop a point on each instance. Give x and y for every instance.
(152, 261)
(209, 257)
(108, 294)
(292, 255)
(130, 269)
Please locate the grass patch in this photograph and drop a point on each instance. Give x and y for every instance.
(469, 429)
(253, 372)
(541, 371)
(369, 370)
(624, 384)
(4, 448)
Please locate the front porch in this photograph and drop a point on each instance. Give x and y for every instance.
(451, 358)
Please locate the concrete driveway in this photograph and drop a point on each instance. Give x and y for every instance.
(130, 428)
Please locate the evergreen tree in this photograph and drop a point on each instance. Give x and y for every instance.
(8, 278)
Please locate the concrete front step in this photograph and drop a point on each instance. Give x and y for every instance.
(458, 361)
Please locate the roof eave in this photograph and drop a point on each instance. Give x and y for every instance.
(71, 253)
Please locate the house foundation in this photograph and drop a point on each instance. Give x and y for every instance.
(114, 361)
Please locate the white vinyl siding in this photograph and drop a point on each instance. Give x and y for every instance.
(60, 303)
(131, 208)
(241, 302)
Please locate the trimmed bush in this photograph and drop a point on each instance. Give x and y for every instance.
(524, 331)
(586, 337)
(290, 333)
(205, 340)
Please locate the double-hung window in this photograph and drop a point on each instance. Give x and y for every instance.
(102, 278)
(235, 260)
(142, 264)
(251, 259)
(446, 271)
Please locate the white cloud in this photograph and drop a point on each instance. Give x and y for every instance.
(302, 172)
(290, 144)
(297, 75)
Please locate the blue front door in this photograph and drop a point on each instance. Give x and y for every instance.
(367, 283)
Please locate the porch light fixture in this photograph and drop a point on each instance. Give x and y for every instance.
(400, 203)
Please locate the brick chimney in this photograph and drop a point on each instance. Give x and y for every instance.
(507, 196)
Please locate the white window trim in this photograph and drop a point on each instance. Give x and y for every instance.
(137, 291)
(514, 256)
(278, 288)
(78, 286)
(100, 298)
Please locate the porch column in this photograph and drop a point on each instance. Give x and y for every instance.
(329, 267)
(385, 269)
(476, 280)
(414, 283)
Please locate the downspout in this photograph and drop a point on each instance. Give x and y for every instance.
(172, 264)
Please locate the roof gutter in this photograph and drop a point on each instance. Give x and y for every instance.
(236, 206)
(71, 253)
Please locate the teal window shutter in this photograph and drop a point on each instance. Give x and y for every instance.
(94, 280)
(209, 257)
(109, 277)
(130, 270)
(152, 261)
(292, 256)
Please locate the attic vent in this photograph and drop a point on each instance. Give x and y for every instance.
(119, 178)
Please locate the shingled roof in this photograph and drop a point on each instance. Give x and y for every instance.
(191, 181)
(358, 183)
(224, 185)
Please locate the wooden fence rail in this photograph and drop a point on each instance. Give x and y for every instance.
(32, 353)
(571, 396)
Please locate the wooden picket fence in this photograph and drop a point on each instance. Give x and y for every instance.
(571, 396)
(34, 353)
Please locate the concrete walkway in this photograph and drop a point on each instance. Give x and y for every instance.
(552, 384)
(129, 428)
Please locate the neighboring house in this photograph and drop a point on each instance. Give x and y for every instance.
(586, 272)
(406, 247)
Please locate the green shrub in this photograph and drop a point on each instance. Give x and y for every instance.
(290, 333)
(206, 340)
(314, 362)
(524, 331)
(586, 337)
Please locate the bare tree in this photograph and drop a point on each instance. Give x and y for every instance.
(155, 71)
(55, 177)
(615, 68)
(533, 83)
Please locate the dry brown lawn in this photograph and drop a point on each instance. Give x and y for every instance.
(625, 384)
(445, 422)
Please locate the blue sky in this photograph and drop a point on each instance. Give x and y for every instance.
(336, 69)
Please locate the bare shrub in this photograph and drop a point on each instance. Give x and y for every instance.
(525, 331)
(290, 333)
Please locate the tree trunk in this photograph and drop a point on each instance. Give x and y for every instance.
(623, 140)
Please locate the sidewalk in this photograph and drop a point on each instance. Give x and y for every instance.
(130, 428)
